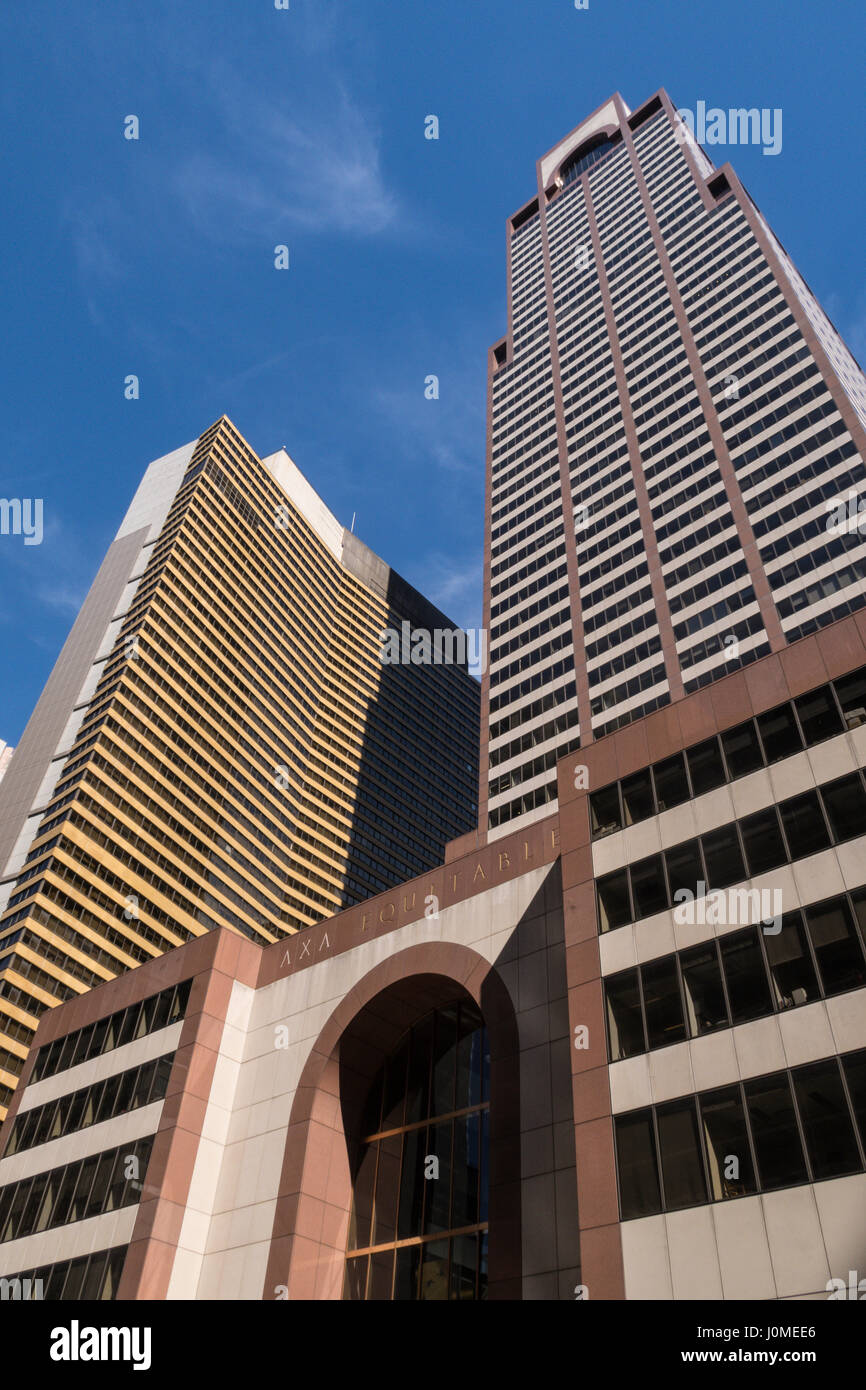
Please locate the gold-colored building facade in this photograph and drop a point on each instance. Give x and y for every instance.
(245, 759)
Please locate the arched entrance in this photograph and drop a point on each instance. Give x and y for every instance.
(324, 1208)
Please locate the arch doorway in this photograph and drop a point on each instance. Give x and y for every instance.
(421, 1166)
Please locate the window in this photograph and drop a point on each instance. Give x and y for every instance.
(679, 1146)
(762, 841)
(624, 1020)
(804, 825)
(830, 1139)
(685, 868)
(742, 750)
(605, 811)
(662, 1001)
(819, 717)
(837, 946)
(639, 1191)
(779, 733)
(723, 857)
(702, 982)
(775, 1132)
(729, 1155)
(854, 1067)
(845, 804)
(851, 693)
(672, 786)
(790, 961)
(614, 904)
(745, 976)
(706, 768)
(637, 797)
(648, 886)
(421, 1171)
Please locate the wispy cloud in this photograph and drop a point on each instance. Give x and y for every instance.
(277, 169)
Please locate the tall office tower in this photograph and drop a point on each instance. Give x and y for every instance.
(671, 415)
(220, 743)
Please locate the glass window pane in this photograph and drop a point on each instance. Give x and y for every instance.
(419, 1070)
(468, 1057)
(702, 981)
(126, 1030)
(437, 1178)
(791, 971)
(395, 1086)
(624, 1019)
(637, 797)
(406, 1273)
(779, 733)
(746, 977)
(637, 1165)
(467, 1168)
(648, 887)
(775, 1133)
(362, 1198)
(93, 1278)
(819, 717)
(355, 1280)
(381, 1276)
(444, 1060)
(682, 1164)
(685, 869)
(845, 804)
(723, 857)
(604, 811)
(742, 749)
(434, 1271)
(387, 1188)
(851, 693)
(762, 841)
(614, 904)
(464, 1266)
(836, 945)
(854, 1067)
(706, 768)
(728, 1156)
(826, 1120)
(664, 1009)
(412, 1184)
(804, 825)
(671, 783)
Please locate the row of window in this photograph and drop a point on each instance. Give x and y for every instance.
(781, 1130)
(777, 734)
(744, 975)
(88, 1187)
(742, 849)
(114, 1095)
(124, 1026)
(90, 1278)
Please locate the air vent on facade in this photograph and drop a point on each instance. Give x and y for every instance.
(638, 117)
(718, 186)
(522, 217)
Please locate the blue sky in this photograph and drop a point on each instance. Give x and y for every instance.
(306, 127)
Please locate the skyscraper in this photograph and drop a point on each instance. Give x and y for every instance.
(615, 1047)
(220, 743)
(671, 415)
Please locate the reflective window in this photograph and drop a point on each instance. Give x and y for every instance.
(421, 1174)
